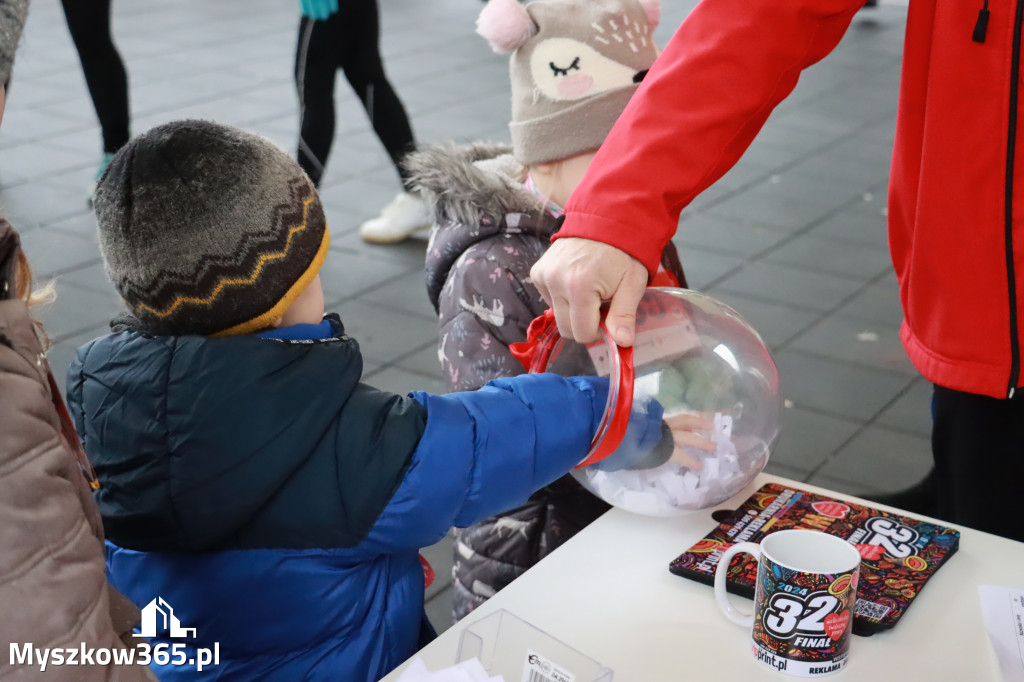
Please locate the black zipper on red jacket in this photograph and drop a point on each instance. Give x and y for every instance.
(1011, 144)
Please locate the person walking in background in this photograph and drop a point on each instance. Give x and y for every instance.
(495, 211)
(346, 36)
(955, 232)
(105, 75)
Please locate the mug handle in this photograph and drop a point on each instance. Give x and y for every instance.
(721, 596)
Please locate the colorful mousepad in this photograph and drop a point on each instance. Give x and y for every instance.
(899, 553)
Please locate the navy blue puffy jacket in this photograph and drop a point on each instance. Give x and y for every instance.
(278, 504)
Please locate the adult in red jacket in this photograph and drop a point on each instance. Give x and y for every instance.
(956, 215)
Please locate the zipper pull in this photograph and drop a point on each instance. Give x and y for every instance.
(981, 27)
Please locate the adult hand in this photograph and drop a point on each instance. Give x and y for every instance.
(318, 10)
(576, 275)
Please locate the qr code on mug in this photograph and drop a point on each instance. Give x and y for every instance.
(870, 609)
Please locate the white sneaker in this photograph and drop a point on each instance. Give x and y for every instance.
(399, 220)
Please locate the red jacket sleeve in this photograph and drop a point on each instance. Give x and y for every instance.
(729, 64)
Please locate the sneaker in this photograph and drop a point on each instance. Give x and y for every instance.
(104, 162)
(399, 220)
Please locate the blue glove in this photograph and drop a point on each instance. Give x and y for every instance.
(647, 442)
(318, 10)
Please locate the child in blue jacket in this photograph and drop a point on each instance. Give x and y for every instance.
(249, 480)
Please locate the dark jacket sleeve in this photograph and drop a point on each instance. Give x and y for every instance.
(486, 451)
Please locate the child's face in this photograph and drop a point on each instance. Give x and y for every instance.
(558, 179)
(308, 308)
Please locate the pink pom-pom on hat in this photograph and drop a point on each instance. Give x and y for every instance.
(506, 25)
(652, 8)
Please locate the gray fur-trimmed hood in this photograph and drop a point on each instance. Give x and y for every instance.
(477, 193)
(466, 183)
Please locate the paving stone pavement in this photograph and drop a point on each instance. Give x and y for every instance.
(793, 237)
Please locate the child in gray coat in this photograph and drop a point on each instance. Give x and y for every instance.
(574, 66)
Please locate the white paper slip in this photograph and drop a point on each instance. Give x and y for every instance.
(1003, 608)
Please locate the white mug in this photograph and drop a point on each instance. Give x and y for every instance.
(804, 602)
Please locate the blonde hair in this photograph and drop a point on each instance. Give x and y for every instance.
(33, 297)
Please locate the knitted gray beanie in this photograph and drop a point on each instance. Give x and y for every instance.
(207, 229)
(12, 21)
(574, 66)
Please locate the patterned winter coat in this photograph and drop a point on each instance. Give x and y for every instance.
(489, 231)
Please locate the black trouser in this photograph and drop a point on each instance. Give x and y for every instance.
(89, 23)
(978, 445)
(347, 40)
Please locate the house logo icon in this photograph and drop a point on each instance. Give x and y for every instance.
(169, 622)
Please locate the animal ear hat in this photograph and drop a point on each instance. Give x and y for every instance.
(574, 65)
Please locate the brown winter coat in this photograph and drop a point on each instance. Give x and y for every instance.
(53, 588)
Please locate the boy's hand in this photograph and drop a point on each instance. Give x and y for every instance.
(686, 433)
(318, 10)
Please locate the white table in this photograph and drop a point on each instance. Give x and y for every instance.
(608, 593)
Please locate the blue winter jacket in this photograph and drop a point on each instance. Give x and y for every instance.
(277, 504)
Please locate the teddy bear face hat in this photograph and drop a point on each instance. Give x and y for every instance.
(574, 65)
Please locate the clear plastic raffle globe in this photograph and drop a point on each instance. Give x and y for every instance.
(709, 376)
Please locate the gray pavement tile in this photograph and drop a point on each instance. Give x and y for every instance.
(38, 203)
(826, 256)
(794, 473)
(384, 334)
(407, 294)
(359, 197)
(874, 303)
(81, 225)
(424, 361)
(411, 252)
(852, 226)
(834, 165)
(703, 267)
(24, 162)
(775, 323)
(880, 460)
(402, 381)
(77, 310)
(51, 252)
(92, 277)
(837, 388)
(808, 438)
(787, 185)
(912, 411)
(718, 234)
(792, 286)
(868, 343)
(346, 274)
(770, 211)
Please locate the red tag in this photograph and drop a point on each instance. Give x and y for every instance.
(870, 552)
(837, 510)
(428, 572)
(835, 624)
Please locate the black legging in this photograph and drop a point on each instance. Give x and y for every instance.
(89, 23)
(348, 39)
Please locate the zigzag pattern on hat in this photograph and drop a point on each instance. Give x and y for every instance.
(214, 272)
